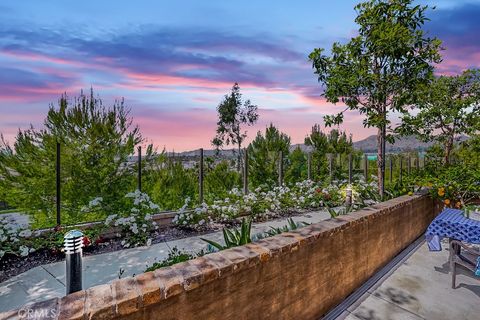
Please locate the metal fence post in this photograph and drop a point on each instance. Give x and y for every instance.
(417, 164)
(309, 166)
(391, 168)
(350, 168)
(139, 183)
(280, 169)
(58, 190)
(245, 173)
(73, 241)
(401, 169)
(200, 177)
(409, 165)
(365, 167)
(330, 166)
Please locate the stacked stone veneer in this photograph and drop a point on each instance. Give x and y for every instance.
(295, 275)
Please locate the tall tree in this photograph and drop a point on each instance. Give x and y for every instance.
(95, 141)
(318, 141)
(339, 143)
(297, 169)
(233, 113)
(264, 154)
(447, 108)
(378, 71)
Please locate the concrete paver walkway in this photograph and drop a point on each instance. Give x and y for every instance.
(48, 281)
(420, 289)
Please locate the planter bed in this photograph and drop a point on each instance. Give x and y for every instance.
(12, 265)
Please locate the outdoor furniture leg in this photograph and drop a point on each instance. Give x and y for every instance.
(451, 258)
(467, 258)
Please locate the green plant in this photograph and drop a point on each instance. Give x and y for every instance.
(448, 107)
(233, 113)
(291, 225)
(339, 212)
(219, 180)
(169, 183)
(264, 156)
(174, 256)
(136, 220)
(378, 71)
(95, 140)
(234, 237)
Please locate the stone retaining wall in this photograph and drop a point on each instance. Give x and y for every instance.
(296, 275)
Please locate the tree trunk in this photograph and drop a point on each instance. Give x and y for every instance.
(448, 150)
(381, 160)
(239, 159)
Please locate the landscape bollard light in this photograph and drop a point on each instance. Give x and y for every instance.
(73, 258)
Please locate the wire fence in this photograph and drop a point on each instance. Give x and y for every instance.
(203, 179)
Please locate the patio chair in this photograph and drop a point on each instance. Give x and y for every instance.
(464, 255)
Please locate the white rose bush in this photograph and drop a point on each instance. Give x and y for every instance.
(136, 226)
(264, 203)
(135, 221)
(14, 237)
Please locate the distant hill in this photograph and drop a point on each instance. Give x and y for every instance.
(409, 143)
(367, 145)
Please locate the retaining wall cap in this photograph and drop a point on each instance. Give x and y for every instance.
(126, 297)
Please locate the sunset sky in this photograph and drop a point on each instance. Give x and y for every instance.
(173, 61)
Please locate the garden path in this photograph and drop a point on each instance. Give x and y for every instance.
(48, 281)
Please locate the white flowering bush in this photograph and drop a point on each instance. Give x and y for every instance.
(260, 204)
(14, 237)
(197, 218)
(134, 220)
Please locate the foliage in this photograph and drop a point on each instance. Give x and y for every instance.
(291, 225)
(379, 70)
(447, 108)
(135, 220)
(264, 203)
(318, 141)
(95, 143)
(339, 211)
(456, 186)
(234, 237)
(298, 166)
(233, 113)
(174, 256)
(197, 218)
(220, 179)
(169, 182)
(13, 237)
(339, 143)
(264, 156)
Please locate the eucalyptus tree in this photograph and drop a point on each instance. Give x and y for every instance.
(378, 71)
(447, 108)
(233, 113)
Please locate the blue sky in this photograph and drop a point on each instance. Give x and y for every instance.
(173, 61)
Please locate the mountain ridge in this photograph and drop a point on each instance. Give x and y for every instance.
(367, 145)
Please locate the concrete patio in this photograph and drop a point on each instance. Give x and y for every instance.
(420, 288)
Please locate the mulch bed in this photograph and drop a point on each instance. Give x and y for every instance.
(12, 265)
